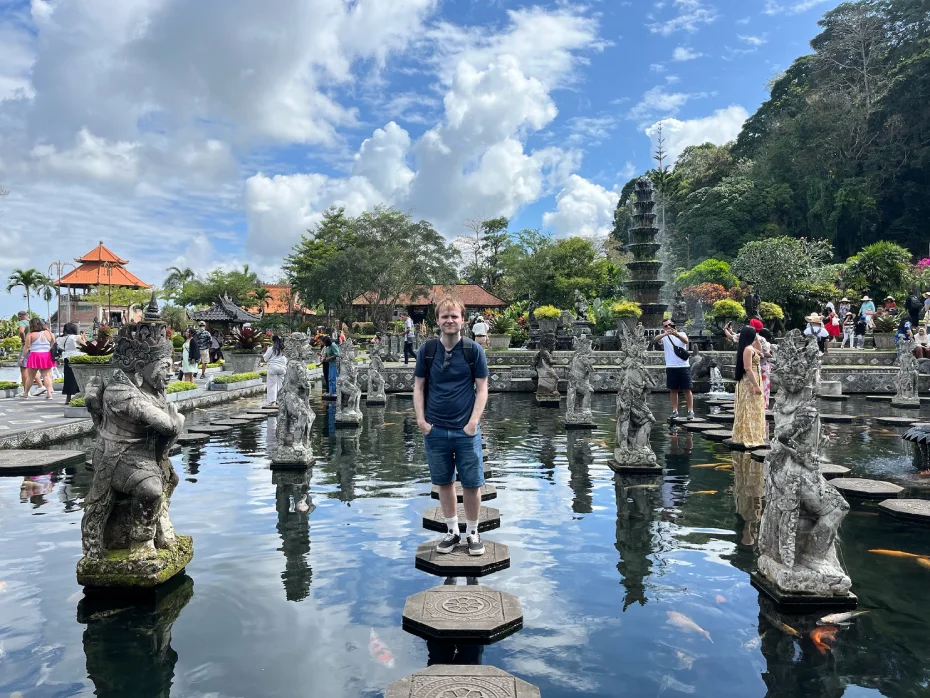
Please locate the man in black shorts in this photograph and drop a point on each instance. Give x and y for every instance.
(677, 368)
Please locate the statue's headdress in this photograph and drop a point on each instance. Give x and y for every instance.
(798, 359)
(296, 346)
(141, 343)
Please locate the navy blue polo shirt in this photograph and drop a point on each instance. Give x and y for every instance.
(451, 393)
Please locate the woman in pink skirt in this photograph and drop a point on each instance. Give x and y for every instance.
(38, 349)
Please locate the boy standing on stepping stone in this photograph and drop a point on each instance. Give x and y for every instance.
(449, 396)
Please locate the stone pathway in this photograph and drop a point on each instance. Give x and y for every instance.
(864, 488)
(909, 509)
(23, 462)
(444, 681)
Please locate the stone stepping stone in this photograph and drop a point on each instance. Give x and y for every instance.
(866, 489)
(831, 471)
(489, 518)
(403, 396)
(459, 563)
(702, 426)
(879, 398)
(25, 461)
(259, 414)
(188, 439)
(908, 509)
(725, 417)
(720, 402)
(249, 416)
(834, 398)
(208, 429)
(487, 492)
(734, 446)
(719, 434)
(760, 454)
(837, 418)
(473, 613)
(898, 421)
(453, 680)
(231, 422)
(578, 425)
(685, 420)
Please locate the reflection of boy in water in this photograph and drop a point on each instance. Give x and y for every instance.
(35, 486)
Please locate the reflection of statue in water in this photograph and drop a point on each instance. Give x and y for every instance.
(798, 536)
(348, 391)
(906, 380)
(547, 384)
(634, 418)
(128, 647)
(127, 537)
(295, 416)
(376, 394)
(294, 505)
(581, 306)
(579, 384)
(748, 491)
(636, 502)
(580, 457)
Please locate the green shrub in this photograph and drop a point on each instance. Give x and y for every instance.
(886, 323)
(311, 366)
(547, 312)
(180, 387)
(88, 359)
(518, 337)
(215, 364)
(363, 328)
(263, 372)
(236, 378)
(8, 385)
(502, 325)
(178, 341)
(626, 309)
(714, 271)
(77, 402)
(58, 381)
(771, 311)
(727, 309)
(11, 344)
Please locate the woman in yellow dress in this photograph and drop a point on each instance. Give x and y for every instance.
(749, 404)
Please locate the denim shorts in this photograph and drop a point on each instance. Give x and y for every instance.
(448, 450)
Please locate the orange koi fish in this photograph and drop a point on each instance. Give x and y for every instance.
(705, 492)
(924, 562)
(379, 651)
(892, 553)
(821, 634)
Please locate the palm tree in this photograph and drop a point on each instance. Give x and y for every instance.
(176, 279)
(29, 279)
(262, 295)
(46, 292)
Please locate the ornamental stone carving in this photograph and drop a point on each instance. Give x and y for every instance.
(295, 416)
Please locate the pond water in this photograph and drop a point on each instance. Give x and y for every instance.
(289, 579)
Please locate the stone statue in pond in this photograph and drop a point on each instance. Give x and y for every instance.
(908, 371)
(348, 391)
(295, 416)
(580, 390)
(803, 512)
(634, 418)
(547, 383)
(376, 394)
(581, 306)
(127, 537)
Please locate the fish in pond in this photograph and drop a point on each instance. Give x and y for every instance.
(680, 620)
(754, 642)
(786, 629)
(924, 562)
(720, 598)
(705, 492)
(837, 618)
(379, 651)
(724, 467)
(389, 424)
(892, 553)
(821, 635)
(706, 465)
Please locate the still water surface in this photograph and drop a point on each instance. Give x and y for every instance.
(290, 576)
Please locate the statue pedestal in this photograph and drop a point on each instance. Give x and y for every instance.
(289, 458)
(346, 421)
(643, 468)
(119, 569)
(578, 425)
(802, 603)
(906, 403)
(547, 401)
(375, 403)
(580, 327)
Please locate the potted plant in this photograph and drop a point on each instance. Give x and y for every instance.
(9, 388)
(499, 331)
(727, 310)
(626, 314)
(244, 356)
(76, 409)
(883, 331)
(182, 390)
(95, 359)
(235, 381)
(548, 317)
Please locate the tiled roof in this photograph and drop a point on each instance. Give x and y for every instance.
(101, 254)
(277, 301)
(472, 295)
(95, 274)
(224, 310)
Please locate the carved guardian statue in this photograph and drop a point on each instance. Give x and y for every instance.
(295, 416)
(634, 418)
(376, 394)
(580, 390)
(348, 391)
(906, 380)
(547, 380)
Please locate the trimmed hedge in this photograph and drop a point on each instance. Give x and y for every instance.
(8, 385)
(215, 364)
(77, 402)
(180, 387)
(236, 378)
(58, 381)
(88, 359)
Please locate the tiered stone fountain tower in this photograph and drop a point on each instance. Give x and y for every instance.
(644, 285)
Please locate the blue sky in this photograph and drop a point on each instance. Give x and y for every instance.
(213, 133)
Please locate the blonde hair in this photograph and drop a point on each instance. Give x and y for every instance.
(450, 302)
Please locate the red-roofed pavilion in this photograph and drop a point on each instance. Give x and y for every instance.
(100, 267)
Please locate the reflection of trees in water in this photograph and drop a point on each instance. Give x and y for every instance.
(580, 457)
(637, 498)
(128, 645)
(294, 506)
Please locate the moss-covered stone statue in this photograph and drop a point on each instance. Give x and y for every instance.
(295, 416)
(127, 537)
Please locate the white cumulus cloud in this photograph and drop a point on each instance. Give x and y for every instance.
(582, 208)
(683, 53)
(720, 127)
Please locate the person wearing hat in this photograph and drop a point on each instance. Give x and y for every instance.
(859, 331)
(849, 330)
(480, 330)
(868, 309)
(203, 345)
(816, 329)
(891, 307)
(845, 307)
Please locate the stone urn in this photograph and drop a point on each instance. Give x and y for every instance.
(546, 326)
(626, 325)
(241, 362)
(883, 340)
(84, 372)
(499, 341)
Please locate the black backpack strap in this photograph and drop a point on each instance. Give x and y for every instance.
(471, 354)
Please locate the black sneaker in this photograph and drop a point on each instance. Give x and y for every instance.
(475, 546)
(447, 544)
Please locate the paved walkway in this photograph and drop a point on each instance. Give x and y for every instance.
(17, 414)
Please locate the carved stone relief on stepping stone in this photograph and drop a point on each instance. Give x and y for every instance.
(473, 613)
(489, 518)
(487, 492)
(459, 563)
(910, 509)
(208, 429)
(866, 489)
(28, 461)
(449, 681)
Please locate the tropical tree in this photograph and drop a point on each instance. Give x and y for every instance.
(176, 279)
(263, 296)
(30, 279)
(238, 285)
(47, 290)
(174, 316)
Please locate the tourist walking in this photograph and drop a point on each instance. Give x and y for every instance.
(276, 364)
(677, 366)
(859, 331)
(449, 395)
(330, 363)
(216, 346)
(816, 329)
(849, 328)
(408, 338)
(868, 309)
(70, 344)
(833, 325)
(749, 403)
(480, 330)
(22, 329)
(189, 355)
(204, 340)
(845, 307)
(38, 350)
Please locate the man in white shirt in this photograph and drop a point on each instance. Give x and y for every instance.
(480, 330)
(677, 369)
(408, 338)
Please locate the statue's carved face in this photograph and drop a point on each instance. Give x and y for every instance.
(158, 373)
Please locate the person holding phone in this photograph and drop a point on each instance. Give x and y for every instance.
(677, 367)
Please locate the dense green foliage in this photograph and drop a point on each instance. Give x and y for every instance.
(224, 379)
(8, 385)
(711, 271)
(30, 280)
(239, 284)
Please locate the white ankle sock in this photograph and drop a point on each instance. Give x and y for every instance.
(471, 527)
(452, 524)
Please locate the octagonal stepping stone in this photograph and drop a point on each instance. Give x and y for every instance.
(866, 489)
(734, 446)
(831, 470)
(760, 454)
(721, 417)
(898, 421)
(685, 420)
(403, 396)
(188, 439)
(719, 434)
(459, 563)
(834, 398)
(231, 422)
(250, 416)
(454, 680)
(489, 518)
(24, 461)
(836, 418)
(721, 402)
(879, 398)
(909, 509)
(701, 426)
(473, 613)
(259, 414)
(487, 492)
(208, 429)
